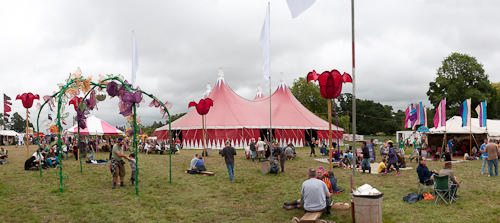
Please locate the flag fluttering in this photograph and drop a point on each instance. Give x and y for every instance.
(135, 59)
(297, 7)
(465, 113)
(265, 40)
(440, 117)
(481, 113)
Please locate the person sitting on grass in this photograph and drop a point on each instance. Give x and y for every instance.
(382, 166)
(333, 182)
(323, 150)
(401, 161)
(3, 155)
(425, 176)
(52, 159)
(198, 166)
(314, 195)
(193, 161)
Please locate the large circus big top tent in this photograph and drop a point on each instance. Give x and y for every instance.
(235, 118)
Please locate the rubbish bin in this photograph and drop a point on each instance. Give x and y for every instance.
(368, 208)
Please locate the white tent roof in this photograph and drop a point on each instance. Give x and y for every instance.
(8, 133)
(454, 126)
(95, 126)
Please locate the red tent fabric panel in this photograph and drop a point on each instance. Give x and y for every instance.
(323, 134)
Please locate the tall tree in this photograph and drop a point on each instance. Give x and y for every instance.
(18, 123)
(461, 77)
(308, 95)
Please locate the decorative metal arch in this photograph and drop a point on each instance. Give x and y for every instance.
(79, 83)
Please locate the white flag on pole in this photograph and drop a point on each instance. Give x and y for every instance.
(265, 39)
(297, 7)
(135, 58)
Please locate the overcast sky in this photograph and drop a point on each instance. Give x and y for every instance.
(182, 43)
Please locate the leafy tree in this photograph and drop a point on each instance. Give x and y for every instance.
(307, 93)
(461, 77)
(18, 124)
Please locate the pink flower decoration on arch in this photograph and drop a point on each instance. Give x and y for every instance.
(203, 106)
(330, 82)
(75, 101)
(27, 99)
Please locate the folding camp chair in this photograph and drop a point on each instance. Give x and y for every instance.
(442, 190)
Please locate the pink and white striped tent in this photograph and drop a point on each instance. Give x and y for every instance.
(95, 126)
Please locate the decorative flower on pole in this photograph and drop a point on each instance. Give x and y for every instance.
(330, 82)
(203, 106)
(27, 99)
(330, 86)
(80, 111)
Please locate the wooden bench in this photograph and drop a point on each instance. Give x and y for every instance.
(311, 217)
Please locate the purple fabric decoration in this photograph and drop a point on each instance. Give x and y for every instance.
(112, 88)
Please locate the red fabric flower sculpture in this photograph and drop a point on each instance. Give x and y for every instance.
(27, 99)
(75, 101)
(330, 82)
(203, 106)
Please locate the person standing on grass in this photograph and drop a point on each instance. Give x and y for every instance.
(280, 151)
(393, 159)
(228, 153)
(312, 145)
(117, 166)
(260, 148)
(253, 149)
(482, 150)
(365, 164)
(492, 150)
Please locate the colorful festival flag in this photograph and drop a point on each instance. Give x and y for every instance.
(465, 113)
(481, 113)
(440, 117)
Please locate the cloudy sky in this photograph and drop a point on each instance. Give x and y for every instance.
(182, 44)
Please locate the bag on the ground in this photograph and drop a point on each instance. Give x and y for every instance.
(274, 168)
(428, 196)
(412, 198)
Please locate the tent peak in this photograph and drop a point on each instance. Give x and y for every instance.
(220, 77)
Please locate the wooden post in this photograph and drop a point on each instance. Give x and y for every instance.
(27, 136)
(330, 130)
(203, 134)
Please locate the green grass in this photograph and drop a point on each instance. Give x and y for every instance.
(253, 197)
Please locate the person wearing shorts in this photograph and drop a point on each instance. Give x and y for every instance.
(117, 164)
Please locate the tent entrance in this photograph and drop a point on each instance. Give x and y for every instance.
(264, 134)
(177, 135)
(309, 134)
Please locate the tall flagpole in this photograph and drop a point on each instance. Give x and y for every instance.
(353, 89)
(353, 108)
(269, 62)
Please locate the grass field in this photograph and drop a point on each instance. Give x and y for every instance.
(253, 197)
